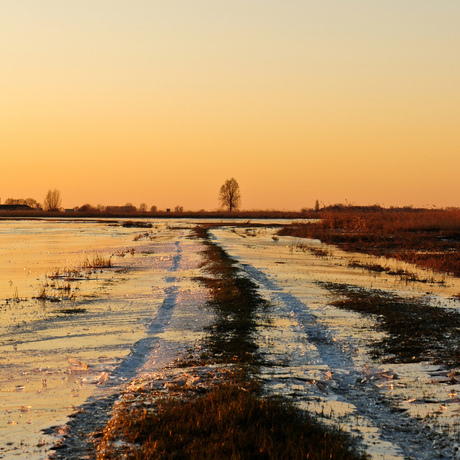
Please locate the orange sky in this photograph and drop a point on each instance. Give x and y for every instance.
(116, 101)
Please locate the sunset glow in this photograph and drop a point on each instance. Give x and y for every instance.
(114, 101)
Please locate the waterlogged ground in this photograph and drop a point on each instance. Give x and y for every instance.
(124, 326)
(57, 354)
(320, 355)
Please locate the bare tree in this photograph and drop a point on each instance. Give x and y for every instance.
(229, 195)
(52, 200)
(142, 207)
(153, 209)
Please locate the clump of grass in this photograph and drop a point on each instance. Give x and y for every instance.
(416, 331)
(229, 422)
(60, 280)
(137, 224)
(71, 311)
(60, 285)
(15, 298)
(57, 285)
(318, 252)
(131, 251)
(68, 273)
(45, 295)
(97, 261)
(146, 235)
(366, 266)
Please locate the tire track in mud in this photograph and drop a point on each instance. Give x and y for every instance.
(142, 349)
(402, 435)
(96, 412)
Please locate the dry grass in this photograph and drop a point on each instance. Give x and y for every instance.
(97, 261)
(61, 281)
(428, 238)
(403, 274)
(230, 422)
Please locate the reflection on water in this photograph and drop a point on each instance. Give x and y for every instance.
(55, 354)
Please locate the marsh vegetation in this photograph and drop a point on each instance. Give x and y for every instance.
(415, 331)
(427, 238)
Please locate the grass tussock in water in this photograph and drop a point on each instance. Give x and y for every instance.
(404, 275)
(61, 282)
(97, 261)
(416, 331)
(228, 423)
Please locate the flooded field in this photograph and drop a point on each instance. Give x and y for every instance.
(65, 345)
(60, 350)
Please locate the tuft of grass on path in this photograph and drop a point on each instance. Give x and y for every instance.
(228, 423)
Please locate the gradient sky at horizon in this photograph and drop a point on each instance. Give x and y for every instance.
(114, 101)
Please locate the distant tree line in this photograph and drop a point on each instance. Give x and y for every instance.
(128, 208)
(24, 201)
(229, 198)
(51, 202)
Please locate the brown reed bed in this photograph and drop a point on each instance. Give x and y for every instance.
(427, 238)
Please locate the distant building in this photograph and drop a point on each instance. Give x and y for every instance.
(15, 207)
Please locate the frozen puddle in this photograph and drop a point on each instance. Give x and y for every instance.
(317, 355)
